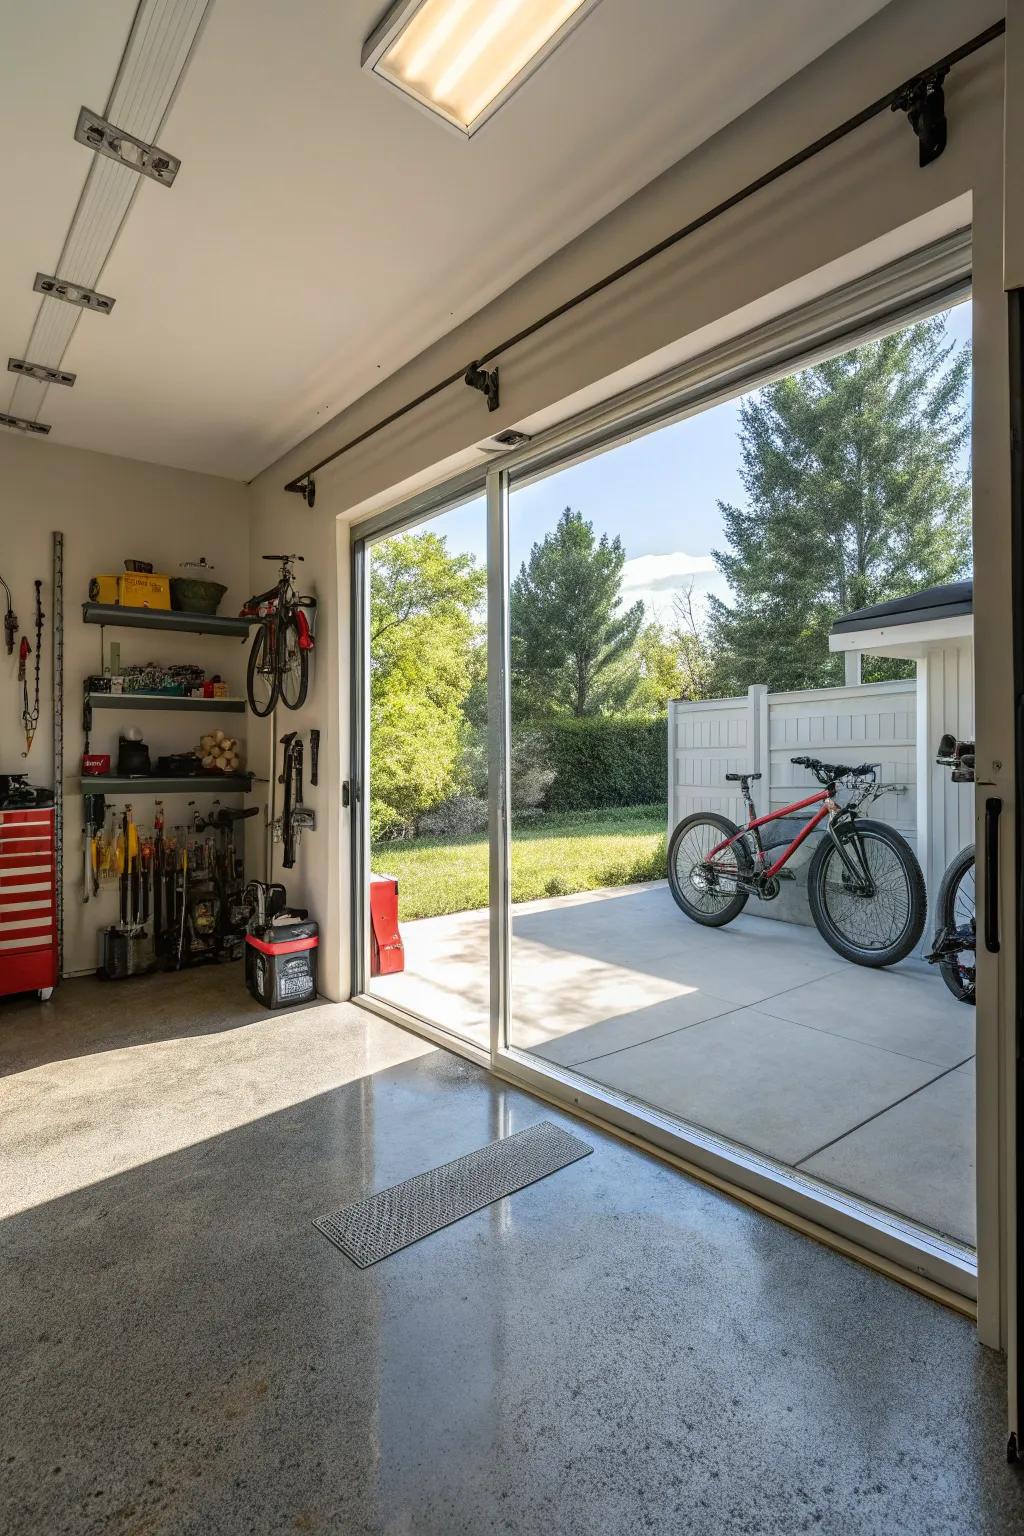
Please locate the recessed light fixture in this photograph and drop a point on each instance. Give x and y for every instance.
(464, 58)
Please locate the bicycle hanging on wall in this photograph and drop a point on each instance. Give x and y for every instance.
(279, 658)
(865, 888)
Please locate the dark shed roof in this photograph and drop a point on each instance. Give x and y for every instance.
(934, 603)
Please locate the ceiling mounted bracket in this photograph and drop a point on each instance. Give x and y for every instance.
(24, 424)
(306, 489)
(40, 372)
(924, 102)
(96, 133)
(73, 293)
(486, 382)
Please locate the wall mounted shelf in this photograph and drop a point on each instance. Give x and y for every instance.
(206, 784)
(115, 616)
(168, 701)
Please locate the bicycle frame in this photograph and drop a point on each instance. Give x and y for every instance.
(823, 797)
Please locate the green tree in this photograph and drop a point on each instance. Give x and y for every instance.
(694, 658)
(856, 494)
(568, 629)
(658, 674)
(425, 647)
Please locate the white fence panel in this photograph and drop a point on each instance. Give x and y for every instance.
(707, 740)
(870, 723)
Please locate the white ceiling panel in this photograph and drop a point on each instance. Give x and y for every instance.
(322, 229)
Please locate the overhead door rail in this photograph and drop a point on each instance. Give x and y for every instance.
(921, 98)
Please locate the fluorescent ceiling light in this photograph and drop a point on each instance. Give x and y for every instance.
(464, 58)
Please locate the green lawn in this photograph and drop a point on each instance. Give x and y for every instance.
(555, 855)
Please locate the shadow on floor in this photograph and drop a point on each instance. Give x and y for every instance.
(86, 1015)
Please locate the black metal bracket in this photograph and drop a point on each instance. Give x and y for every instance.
(306, 489)
(924, 102)
(486, 382)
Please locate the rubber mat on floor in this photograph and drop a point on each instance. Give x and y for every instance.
(384, 1223)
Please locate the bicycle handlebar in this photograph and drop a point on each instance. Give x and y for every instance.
(827, 773)
(282, 557)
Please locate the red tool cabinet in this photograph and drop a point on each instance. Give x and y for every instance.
(28, 901)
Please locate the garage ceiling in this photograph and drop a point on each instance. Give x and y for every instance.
(322, 231)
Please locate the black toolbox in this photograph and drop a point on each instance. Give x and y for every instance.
(280, 963)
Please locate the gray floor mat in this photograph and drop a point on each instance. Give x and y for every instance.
(393, 1218)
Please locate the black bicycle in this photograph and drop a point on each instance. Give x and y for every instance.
(279, 658)
(953, 949)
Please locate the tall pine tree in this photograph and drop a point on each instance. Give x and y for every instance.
(856, 494)
(568, 628)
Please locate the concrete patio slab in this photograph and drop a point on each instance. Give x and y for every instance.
(777, 1087)
(608, 1035)
(918, 1154)
(757, 1031)
(897, 1010)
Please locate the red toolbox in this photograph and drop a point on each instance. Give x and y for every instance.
(28, 901)
(387, 953)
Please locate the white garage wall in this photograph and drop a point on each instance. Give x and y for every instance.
(108, 509)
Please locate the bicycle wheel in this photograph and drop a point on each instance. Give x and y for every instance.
(262, 682)
(873, 929)
(957, 916)
(707, 890)
(292, 665)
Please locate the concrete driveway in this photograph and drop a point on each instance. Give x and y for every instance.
(757, 1031)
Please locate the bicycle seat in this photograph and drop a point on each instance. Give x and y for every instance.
(740, 778)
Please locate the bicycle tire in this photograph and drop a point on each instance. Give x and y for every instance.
(292, 664)
(961, 986)
(263, 665)
(825, 907)
(685, 892)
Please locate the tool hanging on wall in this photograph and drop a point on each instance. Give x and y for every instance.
(294, 816)
(10, 619)
(314, 757)
(95, 808)
(30, 717)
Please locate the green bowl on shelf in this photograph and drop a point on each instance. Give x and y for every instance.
(190, 596)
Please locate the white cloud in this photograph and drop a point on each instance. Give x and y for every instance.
(663, 573)
(655, 580)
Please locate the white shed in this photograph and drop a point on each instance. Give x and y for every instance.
(935, 629)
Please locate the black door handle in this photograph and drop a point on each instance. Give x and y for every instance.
(992, 810)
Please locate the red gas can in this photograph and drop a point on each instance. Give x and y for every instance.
(387, 954)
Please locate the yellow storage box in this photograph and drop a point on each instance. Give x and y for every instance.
(103, 589)
(141, 589)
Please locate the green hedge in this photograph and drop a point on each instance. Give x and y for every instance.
(603, 762)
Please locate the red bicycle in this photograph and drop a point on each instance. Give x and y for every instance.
(865, 888)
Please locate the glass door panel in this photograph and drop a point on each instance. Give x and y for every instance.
(685, 608)
(426, 870)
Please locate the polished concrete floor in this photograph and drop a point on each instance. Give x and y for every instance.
(757, 1031)
(615, 1349)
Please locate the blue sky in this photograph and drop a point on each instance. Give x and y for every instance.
(659, 494)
